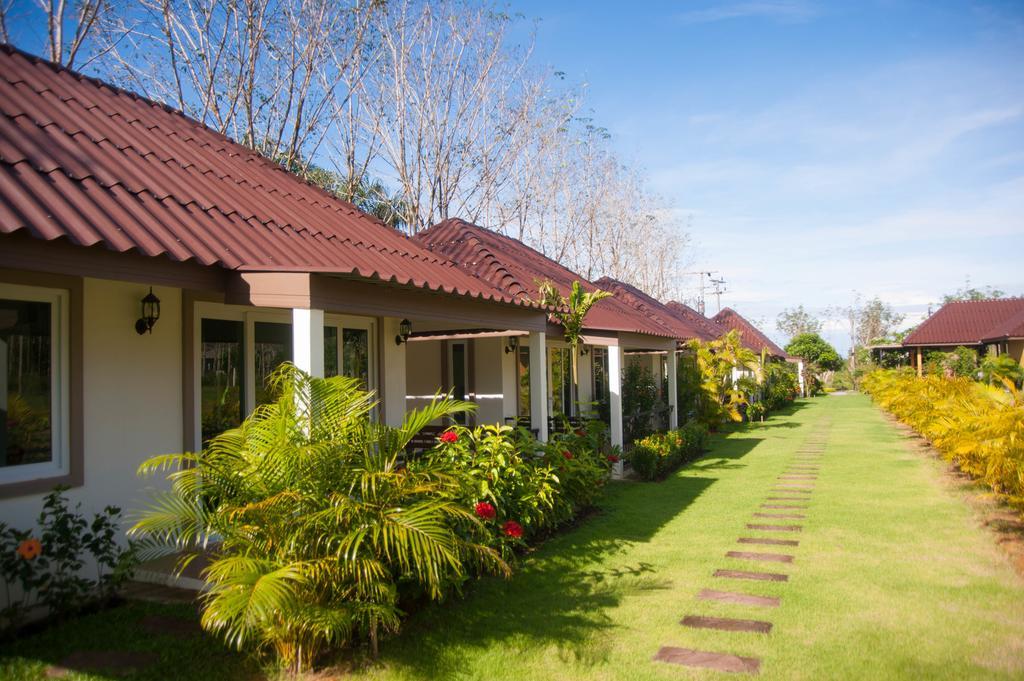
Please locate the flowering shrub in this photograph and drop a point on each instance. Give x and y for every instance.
(654, 456)
(46, 567)
(527, 487)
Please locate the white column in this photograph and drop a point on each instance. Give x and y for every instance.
(615, 393)
(800, 377)
(539, 384)
(393, 374)
(308, 341)
(673, 394)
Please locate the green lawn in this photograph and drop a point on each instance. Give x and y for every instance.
(892, 578)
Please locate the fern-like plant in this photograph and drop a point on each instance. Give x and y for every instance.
(311, 520)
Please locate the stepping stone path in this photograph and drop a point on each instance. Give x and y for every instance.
(803, 467)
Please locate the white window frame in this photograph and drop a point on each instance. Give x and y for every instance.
(249, 316)
(60, 386)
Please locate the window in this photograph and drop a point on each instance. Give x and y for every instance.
(523, 372)
(560, 366)
(239, 348)
(458, 377)
(33, 383)
(599, 357)
(222, 375)
(272, 345)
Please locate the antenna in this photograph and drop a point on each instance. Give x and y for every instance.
(700, 300)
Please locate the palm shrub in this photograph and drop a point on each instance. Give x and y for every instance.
(311, 521)
(721, 399)
(978, 427)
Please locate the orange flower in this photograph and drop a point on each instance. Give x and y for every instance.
(29, 549)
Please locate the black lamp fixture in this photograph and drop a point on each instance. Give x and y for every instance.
(512, 345)
(150, 313)
(404, 331)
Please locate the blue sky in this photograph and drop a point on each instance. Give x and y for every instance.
(819, 148)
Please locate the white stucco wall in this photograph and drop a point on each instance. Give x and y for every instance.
(488, 375)
(133, 400)
(422, 372)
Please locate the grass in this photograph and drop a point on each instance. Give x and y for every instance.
(893, 579)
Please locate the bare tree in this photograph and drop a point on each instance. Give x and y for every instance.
(269, 73)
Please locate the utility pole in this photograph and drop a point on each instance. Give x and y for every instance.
(719, 290)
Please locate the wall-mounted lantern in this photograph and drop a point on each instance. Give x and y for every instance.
(404, 331)
(150, 313)
(512, 345)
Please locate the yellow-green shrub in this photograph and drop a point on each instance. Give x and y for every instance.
(978, 427)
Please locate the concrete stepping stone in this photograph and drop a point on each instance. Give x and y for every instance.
(789, 516)
(800, 506)
(164, 625)
(775, 528)
(747, 574)
(740, 599)
(787, 499)
(768, 541)
(768, 557)
(723, 662)
(726, 624)
(796, 488)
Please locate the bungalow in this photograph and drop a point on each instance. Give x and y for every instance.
(988, 326)
(611, 328)
(152, 272)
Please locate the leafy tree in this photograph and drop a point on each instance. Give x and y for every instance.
(815, 350)
(968, 292)
(875, 320)
(312, 521)
(796, 321)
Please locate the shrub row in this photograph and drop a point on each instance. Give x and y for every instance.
(655, 456)
(978, 427)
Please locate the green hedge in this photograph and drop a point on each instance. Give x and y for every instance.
(655, 456)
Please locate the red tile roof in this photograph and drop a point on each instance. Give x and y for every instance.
(684, 325)
(93, 164)
(969, 322)
(518, 270)
(709, 329)
(751, 336)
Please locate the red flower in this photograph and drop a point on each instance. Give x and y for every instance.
(485, 510)
(612, 458)
(512, 529)
(29, 549)
(567, 454)
(449, 437)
